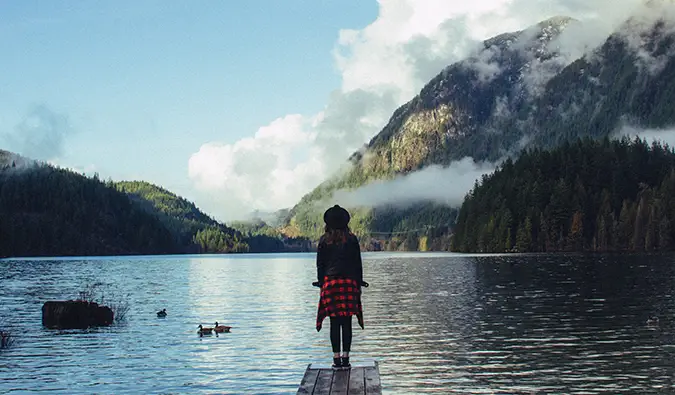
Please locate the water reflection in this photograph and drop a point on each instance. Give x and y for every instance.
(442, 323)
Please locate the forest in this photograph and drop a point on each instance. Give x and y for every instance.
(588, 195)
(193, 230)
(49, 211)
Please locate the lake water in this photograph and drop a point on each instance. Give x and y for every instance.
(436, 323)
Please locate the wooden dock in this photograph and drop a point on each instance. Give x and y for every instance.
(361, 378)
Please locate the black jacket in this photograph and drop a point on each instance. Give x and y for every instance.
(339, 259)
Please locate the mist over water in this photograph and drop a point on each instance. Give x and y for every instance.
(436, 323)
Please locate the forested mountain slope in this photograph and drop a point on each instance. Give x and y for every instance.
(517, 92)
(193, 230)
(588, 195)
(47, 211)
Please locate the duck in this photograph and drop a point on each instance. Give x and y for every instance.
(161, 313)
(204, 331)
(4, 339)
(221, 328)
(653, 320)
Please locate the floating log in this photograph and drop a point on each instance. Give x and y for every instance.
(361, 379)
(75, 314)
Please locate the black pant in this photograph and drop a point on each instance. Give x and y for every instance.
(346, 324)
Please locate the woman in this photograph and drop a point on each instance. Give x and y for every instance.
(340, 275)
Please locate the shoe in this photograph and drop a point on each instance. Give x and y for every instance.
(345, 362)
(337, 363)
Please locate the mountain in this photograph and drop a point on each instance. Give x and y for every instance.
(12, 160)
(519, 90)
(196, 232)
(621, 82)
(588, 195)
(446, 121)
(263, 237)
(271, 218)
(48, 211)
(193, 230)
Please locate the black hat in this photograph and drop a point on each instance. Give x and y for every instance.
(336, 217)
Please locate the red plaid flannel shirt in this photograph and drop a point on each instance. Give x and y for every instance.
(340, 297)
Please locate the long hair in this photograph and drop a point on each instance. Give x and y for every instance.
(336, 235)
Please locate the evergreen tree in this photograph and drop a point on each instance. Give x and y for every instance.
(577, 206)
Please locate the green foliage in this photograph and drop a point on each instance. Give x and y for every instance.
(193, 230)
(260, 236)
(48, 211)
(591, 195)
(164, 201)
(212, 239)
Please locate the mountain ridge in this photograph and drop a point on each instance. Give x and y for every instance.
(50, 211)
(423, 131)
(509, 96)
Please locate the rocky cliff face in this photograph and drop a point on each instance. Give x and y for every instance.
(472, 97)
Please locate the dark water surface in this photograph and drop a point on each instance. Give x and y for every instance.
(436, 323)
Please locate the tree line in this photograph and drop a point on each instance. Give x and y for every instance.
(588, 195)
(49, 211)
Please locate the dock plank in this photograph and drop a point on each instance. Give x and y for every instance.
(340, 382)
(361, 379)
(308, 381)
(373, 384)
(357, 382)
(323, 382)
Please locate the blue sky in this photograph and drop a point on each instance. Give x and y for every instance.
(235, 105)
(145, 83)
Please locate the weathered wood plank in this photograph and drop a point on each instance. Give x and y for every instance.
(373, 385)
(308, 381)
(323, 382)
(363, 378)
(340, 382)
(357, 382)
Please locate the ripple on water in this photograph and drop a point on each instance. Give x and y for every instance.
(441, 323)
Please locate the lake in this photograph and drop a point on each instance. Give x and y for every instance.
(436, 323)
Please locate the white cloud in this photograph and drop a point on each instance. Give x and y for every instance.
(636, 34)
(274, 163)
(666, 135)
(446, 185)
(383, 66)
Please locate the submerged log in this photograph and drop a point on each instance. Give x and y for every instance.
(75, 314)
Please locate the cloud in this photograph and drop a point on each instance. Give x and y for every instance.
(445, 185)
(666, 135)
(274, 163)
(40, 134)
(637, 31)
(10, 162)
(382, 66)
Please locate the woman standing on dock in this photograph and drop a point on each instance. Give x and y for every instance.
(340, 274)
